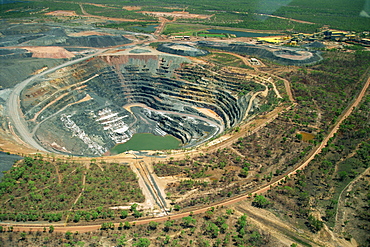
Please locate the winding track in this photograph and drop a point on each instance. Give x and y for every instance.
(14, 108)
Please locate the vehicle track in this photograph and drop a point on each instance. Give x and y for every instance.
(279, 227)
(151, 185)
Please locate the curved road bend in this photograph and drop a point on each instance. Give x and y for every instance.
(13, 103)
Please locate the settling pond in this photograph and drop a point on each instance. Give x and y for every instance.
(146, 141)
(147, 28)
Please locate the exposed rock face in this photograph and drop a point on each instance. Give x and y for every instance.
(96, 41)
(89, 107)
(181, 49)
(14, 53)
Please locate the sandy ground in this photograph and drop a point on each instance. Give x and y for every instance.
(131, 7)
(177, 14)
(62, 13)
(208, 112)
(88, 33)
(49, 52)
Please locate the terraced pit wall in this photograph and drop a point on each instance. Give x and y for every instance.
(87, 108)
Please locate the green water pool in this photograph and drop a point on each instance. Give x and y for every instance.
(146, 141)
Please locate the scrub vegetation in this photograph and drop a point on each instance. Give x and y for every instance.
(320, 192)
(41, 188)
(340, 14)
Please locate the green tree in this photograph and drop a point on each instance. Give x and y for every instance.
(137, 214)
(104, 226)
(153, 225)
(122, 241)
(315, 224)
(127, 225)
(224, 227)
(244, 172)
(29, 161)
(299, 136)
(142, 242)
(124, 214)
(167, 225)
(177, 207)
(51, 229)
(77, 217)
(133, 207)
(342, 175)
(68, 235)
(203, 243)
(80, 243)
(260, 201)
(212, 229)
(189, 221)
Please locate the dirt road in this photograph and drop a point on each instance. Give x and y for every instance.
(13, 103)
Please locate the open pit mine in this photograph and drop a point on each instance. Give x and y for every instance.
(89, 107)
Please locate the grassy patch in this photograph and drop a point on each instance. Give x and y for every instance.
(181, 28)
(227, 60)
